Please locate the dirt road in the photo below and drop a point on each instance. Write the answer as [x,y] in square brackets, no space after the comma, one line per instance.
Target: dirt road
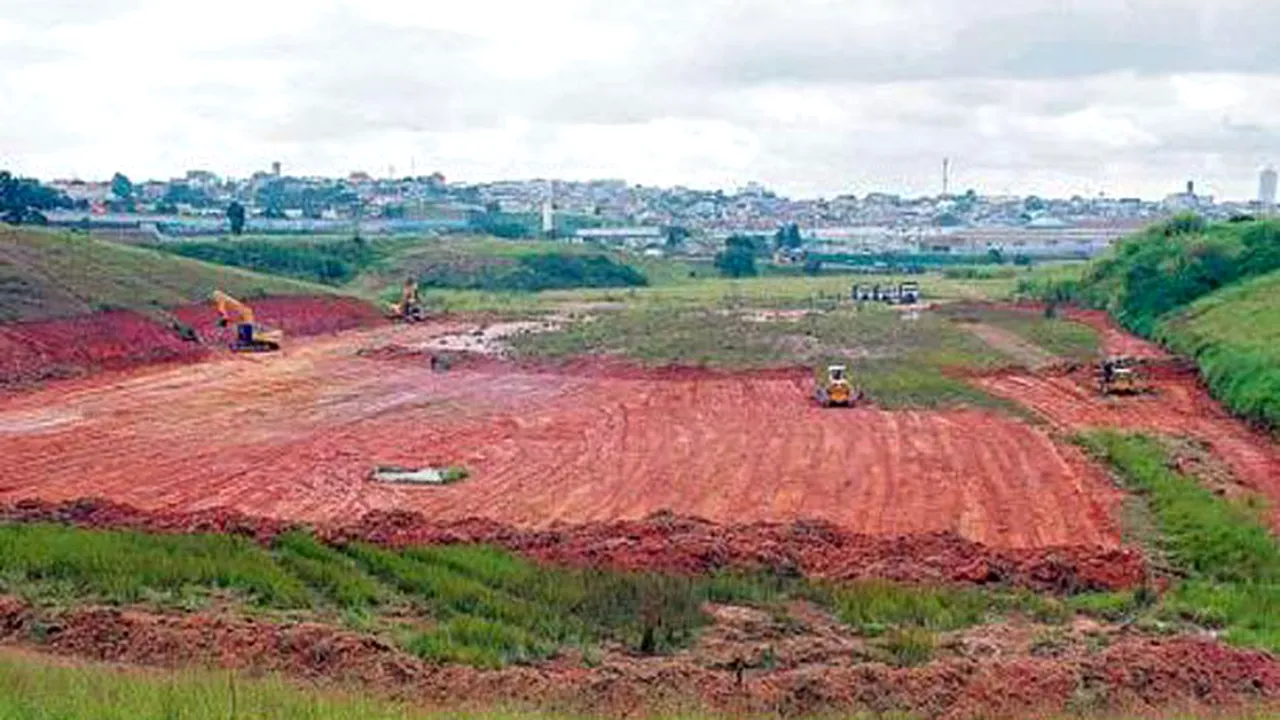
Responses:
[296,434]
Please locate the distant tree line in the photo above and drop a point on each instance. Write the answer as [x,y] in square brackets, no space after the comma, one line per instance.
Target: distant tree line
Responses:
[24,200]
[331,263]
[535,271]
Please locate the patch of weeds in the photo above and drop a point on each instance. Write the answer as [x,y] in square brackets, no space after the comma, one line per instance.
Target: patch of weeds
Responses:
[1095,642]
[1112,606]
[479,642]
[1230,559]
[1089,698]
[1050,643]
[330,573]
[908,647]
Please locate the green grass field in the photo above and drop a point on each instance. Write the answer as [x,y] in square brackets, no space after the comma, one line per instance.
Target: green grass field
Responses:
[902,361]
[46,275]
[1234,335]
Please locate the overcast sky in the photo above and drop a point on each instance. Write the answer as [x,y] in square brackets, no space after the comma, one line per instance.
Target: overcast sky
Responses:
[810,97]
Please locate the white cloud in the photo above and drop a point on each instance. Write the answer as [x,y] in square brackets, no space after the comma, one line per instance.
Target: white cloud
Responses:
[812,96]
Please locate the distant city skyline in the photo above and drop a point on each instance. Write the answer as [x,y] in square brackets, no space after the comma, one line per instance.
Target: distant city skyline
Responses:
[280,169]
[811,97]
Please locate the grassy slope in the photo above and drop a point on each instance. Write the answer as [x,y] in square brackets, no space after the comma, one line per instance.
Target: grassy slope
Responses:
[46,275]
[1230,560]
[1234,335]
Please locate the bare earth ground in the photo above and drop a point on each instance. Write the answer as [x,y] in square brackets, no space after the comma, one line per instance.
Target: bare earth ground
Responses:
[1179,406]
[295,435]
[565,462]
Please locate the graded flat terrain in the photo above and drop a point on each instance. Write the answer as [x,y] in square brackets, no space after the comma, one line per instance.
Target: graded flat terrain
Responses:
[296,434]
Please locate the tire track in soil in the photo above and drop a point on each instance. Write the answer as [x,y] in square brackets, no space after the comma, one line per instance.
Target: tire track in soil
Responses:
[1179,406]
[294,435]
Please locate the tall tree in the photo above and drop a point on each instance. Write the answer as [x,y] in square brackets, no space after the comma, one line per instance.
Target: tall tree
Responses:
[23,199]
[738,259]
[121,187]
[788,236]
[235,215]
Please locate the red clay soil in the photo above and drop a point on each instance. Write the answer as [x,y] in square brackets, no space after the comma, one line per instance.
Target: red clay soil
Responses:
[670,544]
[1135,674]
[297,316]
[1114,340]
[296,434]
[35,351]
[1179,406]
[32,352]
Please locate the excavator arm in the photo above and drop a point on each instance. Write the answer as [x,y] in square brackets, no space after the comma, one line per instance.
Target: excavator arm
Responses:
[229,307]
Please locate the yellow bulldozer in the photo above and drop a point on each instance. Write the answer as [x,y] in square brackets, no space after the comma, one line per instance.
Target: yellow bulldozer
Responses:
[834,388]
[249,337]
[409,309]
[1121,375]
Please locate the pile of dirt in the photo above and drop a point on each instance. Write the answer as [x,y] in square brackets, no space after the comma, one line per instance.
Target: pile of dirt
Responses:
[668,543]
[1136,674]
[95,513]
[31,352]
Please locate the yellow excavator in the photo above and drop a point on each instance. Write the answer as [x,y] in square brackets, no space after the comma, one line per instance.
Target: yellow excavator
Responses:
[249,338]
[836,389]
[409,309]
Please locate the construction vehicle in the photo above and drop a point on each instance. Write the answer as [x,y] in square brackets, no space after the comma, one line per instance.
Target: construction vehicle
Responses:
[249,338]
[409,309]
[1121,375]
[906,293]
[835,388]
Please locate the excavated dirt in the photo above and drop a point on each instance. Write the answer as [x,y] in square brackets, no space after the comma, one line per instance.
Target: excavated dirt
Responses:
[32,352]
[1179,406]
[294,435]
[816,668]
[667,543]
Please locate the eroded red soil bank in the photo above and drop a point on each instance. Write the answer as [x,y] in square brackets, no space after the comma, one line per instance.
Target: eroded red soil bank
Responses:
[669,543]
[32,352]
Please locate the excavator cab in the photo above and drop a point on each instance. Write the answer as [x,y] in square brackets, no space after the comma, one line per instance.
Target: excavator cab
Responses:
[409,309]
[1120,375]
[836,389]
[249,338]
